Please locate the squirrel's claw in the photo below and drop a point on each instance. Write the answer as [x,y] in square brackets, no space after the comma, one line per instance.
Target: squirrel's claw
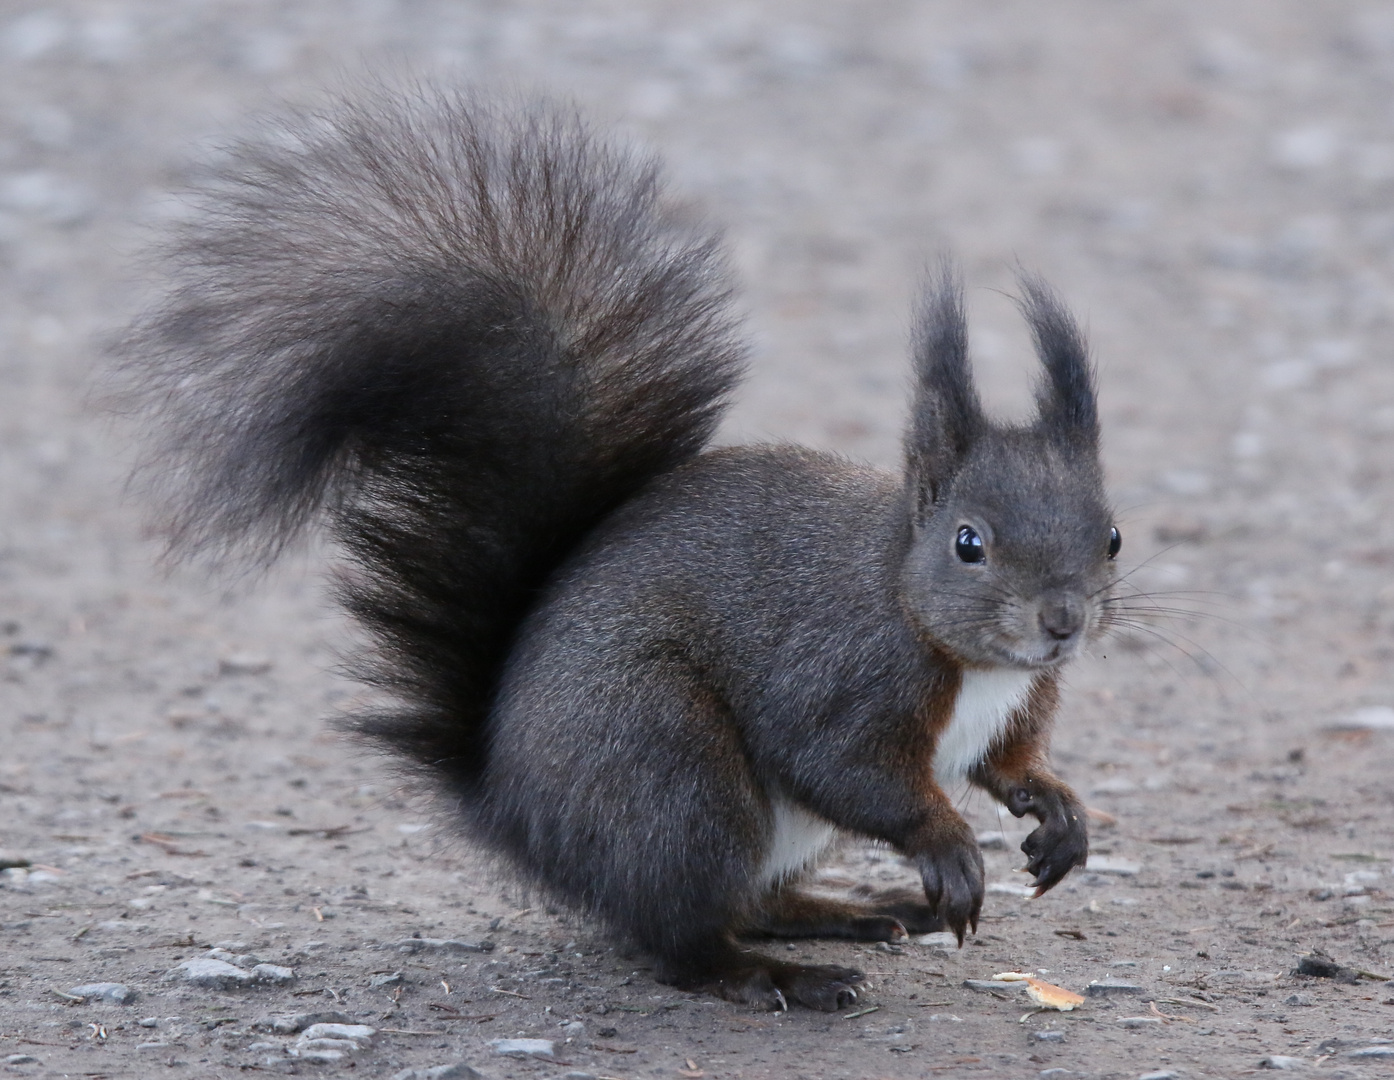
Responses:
[1055,848]
[953,885]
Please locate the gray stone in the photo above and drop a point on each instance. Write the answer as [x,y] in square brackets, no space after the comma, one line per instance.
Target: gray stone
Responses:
[455,1071]
[381,982]
[1048,1036]
[331,1042]
[272,975]
[322,1057]
[108,993]
[149,1022]
[1111,988]
[311,1046]
[290,1025]
[992,841]
[1378,1052]
[1160,1074]
[1054,1074]
[354,1032]
[21,1059]
[210,974]
[1017,986]
[229,957]
[542,1048]
[1281,1061]
[426,944]
[1140,1021]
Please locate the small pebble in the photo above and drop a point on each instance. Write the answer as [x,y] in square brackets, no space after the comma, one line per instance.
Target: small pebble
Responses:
[315,1046]
[152,1046]
[542,1048]
[290,1025]
[1319,965]
[455,1071]
[1281,1061]
[996,985]
[354,1032]
[21,1059]
[1371,1052]
[210,974]
[107,993]
[425,944]
[273,975]
[992,841]
[149,1022]
[1054,1074]
[1160,1074]
[1048,1036]
[321,1057]
[379,982]
[1140,1021]
[1104,864]
[1111,988]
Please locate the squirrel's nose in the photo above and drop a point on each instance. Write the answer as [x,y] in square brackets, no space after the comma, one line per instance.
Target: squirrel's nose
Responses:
[1062,617]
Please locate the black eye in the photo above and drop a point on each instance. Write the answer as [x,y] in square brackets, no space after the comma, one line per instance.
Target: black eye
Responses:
[969,546]
[1115,542]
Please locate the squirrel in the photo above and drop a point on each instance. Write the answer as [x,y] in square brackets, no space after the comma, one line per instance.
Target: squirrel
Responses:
[484,347]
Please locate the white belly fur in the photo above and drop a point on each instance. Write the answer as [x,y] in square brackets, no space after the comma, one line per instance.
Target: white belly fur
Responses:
[986,700]
[799,837]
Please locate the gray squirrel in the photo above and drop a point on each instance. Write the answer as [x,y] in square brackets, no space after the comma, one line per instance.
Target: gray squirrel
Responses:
[479,343]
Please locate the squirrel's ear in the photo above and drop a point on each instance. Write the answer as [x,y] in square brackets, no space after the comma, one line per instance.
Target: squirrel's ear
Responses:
[946,416]
[1065,401]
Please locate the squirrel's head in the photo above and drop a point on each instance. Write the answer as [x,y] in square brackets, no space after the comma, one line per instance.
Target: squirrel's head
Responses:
[1012,541]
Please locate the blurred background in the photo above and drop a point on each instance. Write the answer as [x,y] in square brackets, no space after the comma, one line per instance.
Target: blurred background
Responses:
[1210,187]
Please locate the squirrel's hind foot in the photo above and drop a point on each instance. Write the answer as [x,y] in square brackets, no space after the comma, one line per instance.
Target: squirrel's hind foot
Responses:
[774,985]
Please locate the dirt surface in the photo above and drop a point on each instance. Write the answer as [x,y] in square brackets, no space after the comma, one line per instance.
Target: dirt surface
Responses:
[1210,185]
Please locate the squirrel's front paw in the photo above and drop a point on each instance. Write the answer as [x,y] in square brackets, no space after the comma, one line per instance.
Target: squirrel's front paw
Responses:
[953,883]
[1059,845]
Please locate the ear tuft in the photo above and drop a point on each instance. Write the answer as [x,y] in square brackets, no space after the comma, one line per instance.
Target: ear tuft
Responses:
[947,416]
[1065,397]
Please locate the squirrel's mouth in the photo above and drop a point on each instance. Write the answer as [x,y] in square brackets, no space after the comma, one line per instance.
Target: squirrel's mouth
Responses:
[1046,654]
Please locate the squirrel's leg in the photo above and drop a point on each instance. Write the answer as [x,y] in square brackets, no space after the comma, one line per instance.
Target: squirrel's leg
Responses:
[905,807]
[1016,772]
[661,830]
[886,915]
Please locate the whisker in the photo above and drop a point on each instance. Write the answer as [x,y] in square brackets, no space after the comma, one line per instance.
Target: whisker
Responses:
[1168,637]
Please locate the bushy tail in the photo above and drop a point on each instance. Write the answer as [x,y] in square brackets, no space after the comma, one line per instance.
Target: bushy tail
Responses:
[465,333]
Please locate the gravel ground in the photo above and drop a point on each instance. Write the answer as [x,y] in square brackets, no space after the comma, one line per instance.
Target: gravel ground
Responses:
[1210,185]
